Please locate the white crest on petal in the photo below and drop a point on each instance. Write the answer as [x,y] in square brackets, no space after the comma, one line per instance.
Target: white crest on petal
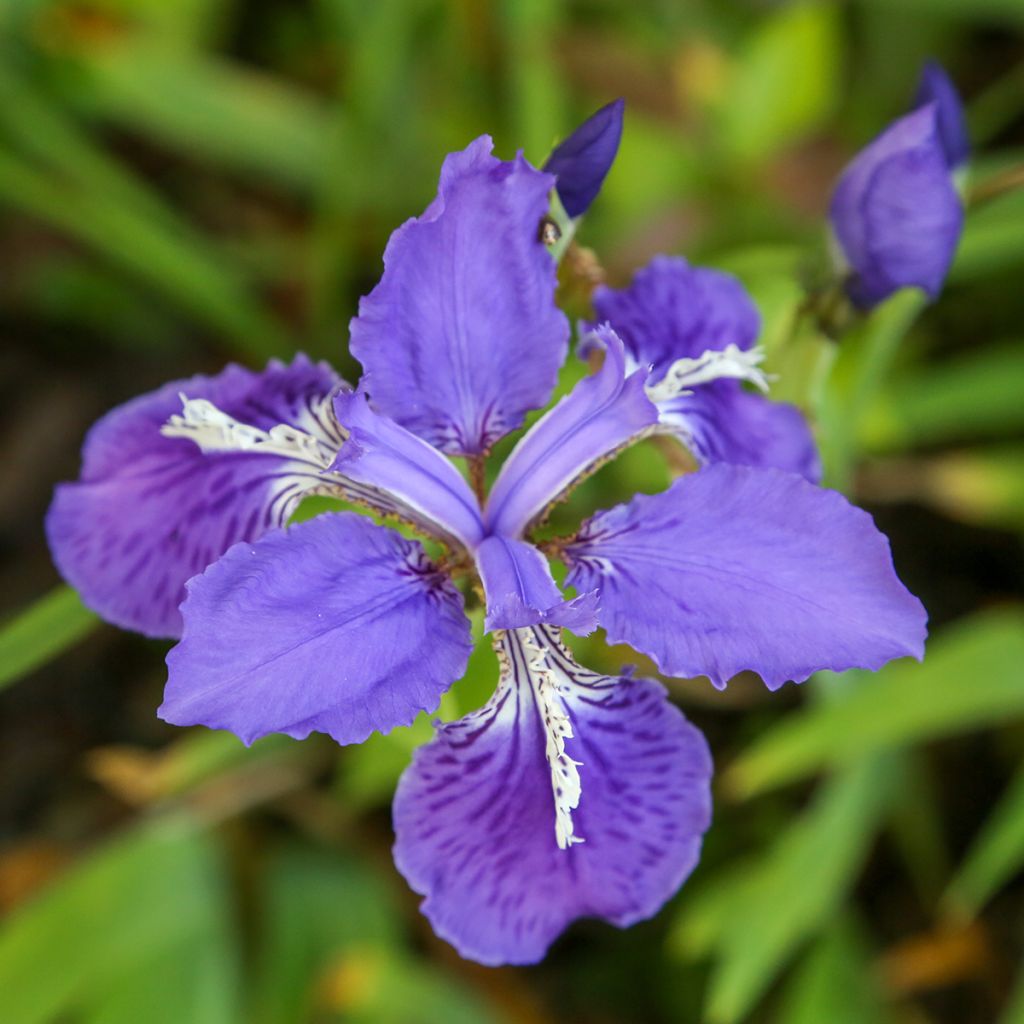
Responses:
[730,362]
[551,673]
[215,431]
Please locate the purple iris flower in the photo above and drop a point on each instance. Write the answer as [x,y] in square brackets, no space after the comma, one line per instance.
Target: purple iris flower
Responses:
[696,329]
[935,86]
[896,214]
[582,161]
[569,793]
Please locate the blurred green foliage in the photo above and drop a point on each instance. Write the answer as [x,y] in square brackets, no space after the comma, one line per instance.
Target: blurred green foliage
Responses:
[184,182]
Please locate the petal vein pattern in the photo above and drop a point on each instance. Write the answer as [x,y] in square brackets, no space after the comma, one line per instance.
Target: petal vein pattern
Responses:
[149,511]
[484,834]
[319,627]
[602,414]
[462,336]
[737,568]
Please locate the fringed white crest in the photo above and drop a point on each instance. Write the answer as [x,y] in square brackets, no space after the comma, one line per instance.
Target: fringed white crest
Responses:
[535,650]
[215,431]
[730,362]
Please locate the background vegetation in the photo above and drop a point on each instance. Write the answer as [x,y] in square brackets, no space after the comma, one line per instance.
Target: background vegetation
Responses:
[187,182]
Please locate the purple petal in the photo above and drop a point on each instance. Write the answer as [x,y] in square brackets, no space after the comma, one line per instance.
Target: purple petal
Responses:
[149,511]
[383,454]
[480,814]
[674,311]
[582,161]
[521,592]
[462,337]
[721,422]
[336,625]
[736,568]
[602,413]
[937,87]
[895,212]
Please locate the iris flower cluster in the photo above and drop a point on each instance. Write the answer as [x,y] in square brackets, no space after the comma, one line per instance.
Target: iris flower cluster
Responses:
[569,793]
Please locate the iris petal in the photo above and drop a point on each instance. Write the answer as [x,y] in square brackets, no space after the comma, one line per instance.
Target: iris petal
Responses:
[672,312]
[382,454]
[736,568]
[149,511]
[720,422]
[521,592]
[600,415]
[336,625]
[462,337]
[568,795]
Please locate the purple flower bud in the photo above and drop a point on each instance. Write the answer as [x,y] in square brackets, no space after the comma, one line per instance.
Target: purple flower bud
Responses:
[583,160]
[896,214]
[937,87]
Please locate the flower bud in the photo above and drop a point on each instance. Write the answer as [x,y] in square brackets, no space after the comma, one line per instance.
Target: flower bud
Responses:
[896,215]
[582,161]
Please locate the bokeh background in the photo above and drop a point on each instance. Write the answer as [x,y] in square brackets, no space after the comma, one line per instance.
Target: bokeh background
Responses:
[184,183]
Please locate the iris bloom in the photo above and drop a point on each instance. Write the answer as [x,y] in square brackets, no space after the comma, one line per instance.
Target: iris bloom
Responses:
[569,793]
[896,213]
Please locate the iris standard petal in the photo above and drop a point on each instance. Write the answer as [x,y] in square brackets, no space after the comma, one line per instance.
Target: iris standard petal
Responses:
[568,795]
[935,86]
[582,161]
[672,311]
[601,414]
[521,592]
[736,568]
[382,454]
[896,214]
[150,511]
[462,337]
[721,422]
[335,625]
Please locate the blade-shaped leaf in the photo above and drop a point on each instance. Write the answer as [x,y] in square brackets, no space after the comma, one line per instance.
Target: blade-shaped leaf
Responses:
[41,632]
[970,677]
[752,931]
[786,81]
[835,982]
[996,855]
[974,395]
[318,906]
[145,248]
[149,891]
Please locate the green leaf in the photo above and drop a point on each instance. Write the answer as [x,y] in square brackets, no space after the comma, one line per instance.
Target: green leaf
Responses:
[786,80]
[973,395]
[993,239]
[395,989]
[194,980]
[145,247]
[835,982]
[209,108]
[41,632]
[319,905]
[152,891]
[970,678]
[996,855]
[813,863]
[1013,1012]
[1009,11]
